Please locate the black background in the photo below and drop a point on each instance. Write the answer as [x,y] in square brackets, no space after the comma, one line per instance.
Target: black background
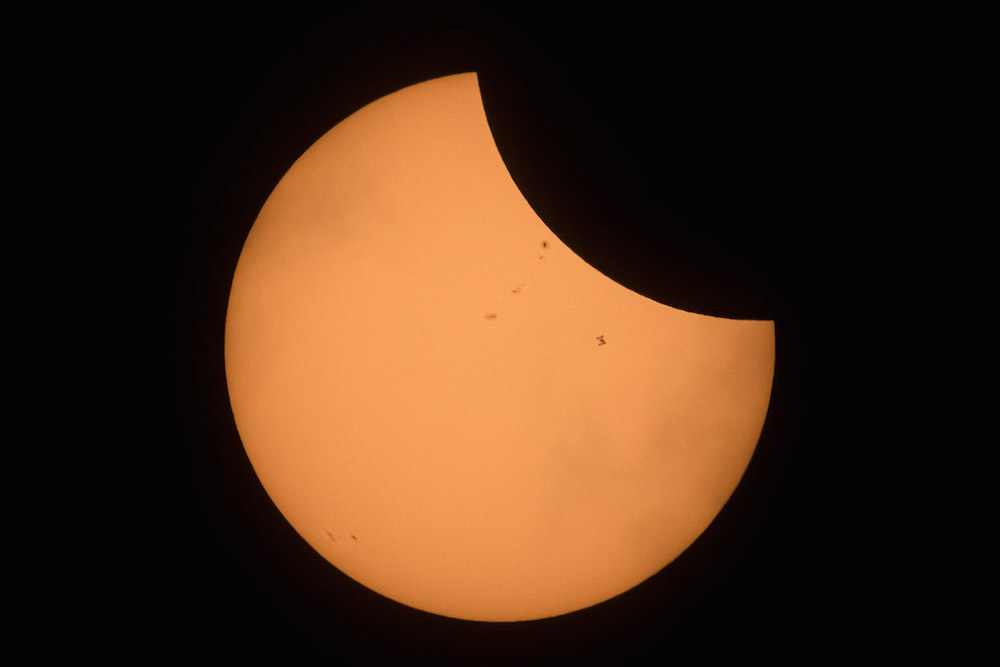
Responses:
[714,164]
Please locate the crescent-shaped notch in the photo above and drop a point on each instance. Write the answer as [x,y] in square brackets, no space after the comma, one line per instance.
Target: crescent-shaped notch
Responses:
[448,403]
[658,178]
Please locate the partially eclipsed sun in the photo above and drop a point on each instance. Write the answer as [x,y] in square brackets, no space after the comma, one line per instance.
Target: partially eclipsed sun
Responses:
[452,407]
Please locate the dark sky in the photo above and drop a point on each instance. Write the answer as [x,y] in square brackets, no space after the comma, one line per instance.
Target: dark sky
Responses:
[703,164]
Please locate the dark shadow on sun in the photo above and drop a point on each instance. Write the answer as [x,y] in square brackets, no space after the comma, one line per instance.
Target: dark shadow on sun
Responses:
[652,174]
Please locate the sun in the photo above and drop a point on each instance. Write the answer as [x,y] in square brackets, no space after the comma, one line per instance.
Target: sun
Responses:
[448,403]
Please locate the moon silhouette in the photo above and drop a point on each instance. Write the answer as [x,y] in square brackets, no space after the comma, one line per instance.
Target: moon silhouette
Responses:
[451,406]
